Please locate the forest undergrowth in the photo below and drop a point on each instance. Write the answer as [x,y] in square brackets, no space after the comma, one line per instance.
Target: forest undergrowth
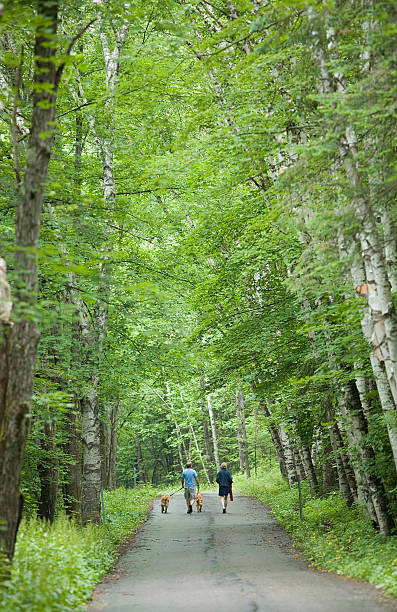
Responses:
[332,536]
[56,566]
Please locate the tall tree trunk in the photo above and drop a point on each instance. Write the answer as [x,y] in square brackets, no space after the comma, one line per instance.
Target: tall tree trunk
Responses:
[359,428]
[114,419]
[378,366]
[91,480]
[104,445]
[14,427]
[328,470]
[72,447]
[48,474]
[289,457]
[278,446]
[240,447]
[139,460]
[213,431]
[206,434]
[240,409]
[381,307]
[309,468]
[346,479]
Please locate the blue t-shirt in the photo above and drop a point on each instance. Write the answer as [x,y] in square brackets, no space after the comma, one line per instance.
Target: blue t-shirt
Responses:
[189,475]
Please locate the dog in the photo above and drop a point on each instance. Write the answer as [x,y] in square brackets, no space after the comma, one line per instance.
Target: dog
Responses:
[199,501]
[164,502]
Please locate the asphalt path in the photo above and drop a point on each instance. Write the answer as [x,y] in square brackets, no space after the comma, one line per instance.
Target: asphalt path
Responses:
[240,561]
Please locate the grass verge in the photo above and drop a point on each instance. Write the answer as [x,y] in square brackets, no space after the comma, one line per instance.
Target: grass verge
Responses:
[332,536]
[56,566]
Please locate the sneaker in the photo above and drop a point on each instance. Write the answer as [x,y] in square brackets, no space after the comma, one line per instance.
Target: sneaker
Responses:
[224,510]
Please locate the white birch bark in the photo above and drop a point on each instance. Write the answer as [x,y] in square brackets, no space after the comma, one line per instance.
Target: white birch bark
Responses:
[213,431]
[288,455]
[380,300]
[243,431]
[105,146]
[378,368]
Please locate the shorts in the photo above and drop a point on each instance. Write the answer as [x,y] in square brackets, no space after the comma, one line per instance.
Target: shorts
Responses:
[224,491]
[190,493]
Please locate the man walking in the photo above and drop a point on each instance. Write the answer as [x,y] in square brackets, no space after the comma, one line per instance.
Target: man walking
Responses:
[189,480]
[224,480]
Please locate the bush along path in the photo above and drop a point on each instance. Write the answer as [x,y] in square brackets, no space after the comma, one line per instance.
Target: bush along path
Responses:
[332,536]
[57,565]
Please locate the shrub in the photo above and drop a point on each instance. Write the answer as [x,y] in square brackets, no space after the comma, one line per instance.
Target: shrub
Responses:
[56,566]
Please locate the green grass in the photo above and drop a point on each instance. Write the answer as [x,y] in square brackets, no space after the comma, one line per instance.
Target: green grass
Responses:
[55,567]
[332,536]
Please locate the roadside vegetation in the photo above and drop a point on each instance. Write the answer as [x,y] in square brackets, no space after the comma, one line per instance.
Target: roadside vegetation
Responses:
[332,536]
[57,565]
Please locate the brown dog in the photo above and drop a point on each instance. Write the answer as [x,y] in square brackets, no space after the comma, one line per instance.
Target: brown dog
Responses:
[199,501]
[165,500]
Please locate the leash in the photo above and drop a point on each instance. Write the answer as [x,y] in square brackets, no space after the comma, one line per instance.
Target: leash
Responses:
[176,491]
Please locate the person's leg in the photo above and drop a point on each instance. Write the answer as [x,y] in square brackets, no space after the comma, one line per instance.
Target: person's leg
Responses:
[225,501]
[187,497]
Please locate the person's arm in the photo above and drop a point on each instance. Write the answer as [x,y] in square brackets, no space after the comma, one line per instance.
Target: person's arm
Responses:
[197,482]
[183,481]
[217,477]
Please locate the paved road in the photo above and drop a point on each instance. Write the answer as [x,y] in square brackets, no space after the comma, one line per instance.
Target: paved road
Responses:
[238,562]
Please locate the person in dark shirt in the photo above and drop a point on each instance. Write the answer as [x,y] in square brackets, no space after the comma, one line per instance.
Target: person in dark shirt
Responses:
[224,480]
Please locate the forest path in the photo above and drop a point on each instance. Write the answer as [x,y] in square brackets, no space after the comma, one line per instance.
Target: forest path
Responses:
[236,562]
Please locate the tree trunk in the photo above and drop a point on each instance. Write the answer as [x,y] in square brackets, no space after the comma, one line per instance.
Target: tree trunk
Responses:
[328,470]
[114,420]
[213,430]
[72,447]
[206,434]
[347,482]
[378,367]
[91,481]
[359,429]
[14,426]
[381,307]
[48,474]
[104,427]
[240,447]
[139,460]
[276,441]
[289,457]
[299,464]
[309,468]
[240,409]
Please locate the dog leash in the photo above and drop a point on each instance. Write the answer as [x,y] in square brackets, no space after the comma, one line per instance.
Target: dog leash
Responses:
[180,489]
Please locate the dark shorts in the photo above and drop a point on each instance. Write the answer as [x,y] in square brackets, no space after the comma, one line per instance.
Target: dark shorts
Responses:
[223,491]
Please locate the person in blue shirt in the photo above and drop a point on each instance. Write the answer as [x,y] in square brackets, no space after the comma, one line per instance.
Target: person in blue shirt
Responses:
[224,480]
[189,481]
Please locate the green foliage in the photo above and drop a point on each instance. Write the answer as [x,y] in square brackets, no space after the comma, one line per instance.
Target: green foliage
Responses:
[332,536]
[56,566]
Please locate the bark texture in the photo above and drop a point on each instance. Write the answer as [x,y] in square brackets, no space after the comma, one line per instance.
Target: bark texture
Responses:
[360,430]
[14,427]
[48,473]
[240,411]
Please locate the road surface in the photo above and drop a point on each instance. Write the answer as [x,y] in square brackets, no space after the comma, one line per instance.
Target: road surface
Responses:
[236,562]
